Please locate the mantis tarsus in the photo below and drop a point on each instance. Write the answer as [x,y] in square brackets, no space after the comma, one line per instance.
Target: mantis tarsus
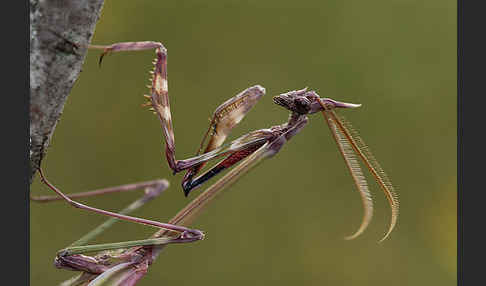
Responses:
[244,153]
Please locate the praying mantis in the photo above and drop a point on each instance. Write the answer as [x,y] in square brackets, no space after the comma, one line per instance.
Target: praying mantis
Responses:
[241,154]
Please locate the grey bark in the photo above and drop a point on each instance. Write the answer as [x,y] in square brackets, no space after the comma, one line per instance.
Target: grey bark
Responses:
[59,33]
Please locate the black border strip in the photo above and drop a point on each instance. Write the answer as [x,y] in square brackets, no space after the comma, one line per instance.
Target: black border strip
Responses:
[14,118]
[471,121]
[459,140]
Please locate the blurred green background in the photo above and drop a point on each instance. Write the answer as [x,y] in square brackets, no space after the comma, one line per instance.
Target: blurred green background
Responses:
[284,222]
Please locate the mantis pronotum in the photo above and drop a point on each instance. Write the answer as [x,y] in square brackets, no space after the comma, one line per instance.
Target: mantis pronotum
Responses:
[244,153]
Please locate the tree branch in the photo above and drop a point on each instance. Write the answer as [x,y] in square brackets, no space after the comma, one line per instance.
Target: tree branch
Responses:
[59,33]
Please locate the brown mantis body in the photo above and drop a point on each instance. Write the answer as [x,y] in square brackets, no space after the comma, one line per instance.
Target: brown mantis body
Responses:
[244,152]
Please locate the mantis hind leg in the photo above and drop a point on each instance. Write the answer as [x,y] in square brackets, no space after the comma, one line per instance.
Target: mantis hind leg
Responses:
[185,233]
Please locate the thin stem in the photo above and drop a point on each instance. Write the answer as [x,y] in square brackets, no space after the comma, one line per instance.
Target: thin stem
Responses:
[114,245]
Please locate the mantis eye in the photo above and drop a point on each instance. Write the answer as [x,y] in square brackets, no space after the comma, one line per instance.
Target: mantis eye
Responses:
[302,105]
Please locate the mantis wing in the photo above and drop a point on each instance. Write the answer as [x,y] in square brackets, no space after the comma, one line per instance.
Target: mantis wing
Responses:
[246,141]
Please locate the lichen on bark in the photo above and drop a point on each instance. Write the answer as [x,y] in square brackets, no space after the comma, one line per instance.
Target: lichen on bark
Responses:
[59,33]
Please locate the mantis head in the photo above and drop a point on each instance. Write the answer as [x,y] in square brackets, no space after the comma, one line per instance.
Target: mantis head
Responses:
[308,102]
